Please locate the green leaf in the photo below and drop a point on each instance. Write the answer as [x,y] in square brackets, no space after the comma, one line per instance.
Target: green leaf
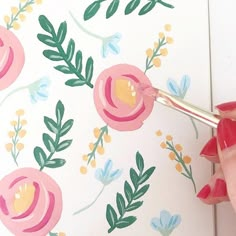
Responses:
[59,111]
[134,206]
[63,69]
[128,192]
[89,69]
[55,163]
[147,8]
[112,8]
[70,50]
[46,24]
[111,215]
[125,222]
[139,162]
[165,4]
[40,156]
[66,127]
[52,55]
[141,192]
[132,5]
[120,202]
[75,82]
[51,124]
[91,10]
[79,61]
[46,40]
[49,142]
[61,33]
[134,178]
[63,145]
[146,175]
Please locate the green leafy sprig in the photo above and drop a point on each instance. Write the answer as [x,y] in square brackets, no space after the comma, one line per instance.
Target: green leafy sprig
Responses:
[55,40]
[54,145]
[128,202]
[93,8]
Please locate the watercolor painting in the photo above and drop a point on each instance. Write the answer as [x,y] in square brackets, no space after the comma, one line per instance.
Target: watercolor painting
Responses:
[79,140]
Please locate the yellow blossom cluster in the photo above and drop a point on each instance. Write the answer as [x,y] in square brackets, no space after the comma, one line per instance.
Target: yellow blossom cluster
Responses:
[16,134]
[18,13]
[153,54]
[97,147]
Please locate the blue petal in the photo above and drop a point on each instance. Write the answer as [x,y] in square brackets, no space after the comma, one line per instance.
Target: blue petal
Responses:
[184,84]
[98,174]
[113,48]
[165,218]
[173,87]
[155,224]
[116,174]
[117,37]
[175,221]
[104,51]
[107,168]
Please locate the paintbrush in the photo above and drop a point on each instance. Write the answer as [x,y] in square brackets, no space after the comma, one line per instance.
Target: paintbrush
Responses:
[169,100]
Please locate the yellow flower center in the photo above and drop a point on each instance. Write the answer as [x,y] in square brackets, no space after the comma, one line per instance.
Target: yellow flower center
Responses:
[23,198]
[125,92]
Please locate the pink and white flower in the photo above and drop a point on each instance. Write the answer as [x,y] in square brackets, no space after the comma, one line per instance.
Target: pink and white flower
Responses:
[118,98]
[30,202]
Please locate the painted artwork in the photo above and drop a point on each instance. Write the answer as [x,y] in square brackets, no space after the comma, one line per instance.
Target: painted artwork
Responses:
[83,150]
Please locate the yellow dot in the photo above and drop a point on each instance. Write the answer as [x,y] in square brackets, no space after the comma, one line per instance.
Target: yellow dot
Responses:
[9,146]
[14,10]
[169,40]
[83,170]
[20,112]
[163,145]
[161,35]
[6,19]
[22,17]
[91,146]
[93,163]
[96,132]
[158,133]
[19,146]
[178,147]
[156,44]
[29,8]
[22,133]
[107,138]
[23,122]
[16,25]
[164,52]
[168,27]
[11,134]
[100,150]
[169,138]
[38,1]
[149,52]
[172,156]
[13,122]
[85,157]
[187,159]
[22,1]
[156,62]
[61,234]
[178,167]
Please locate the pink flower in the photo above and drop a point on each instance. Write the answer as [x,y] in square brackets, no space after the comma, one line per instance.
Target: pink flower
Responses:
[119,101]
[12,57]
[30,202]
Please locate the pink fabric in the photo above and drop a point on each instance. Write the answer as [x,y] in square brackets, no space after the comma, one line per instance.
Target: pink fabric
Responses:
[114,112]
[43,213]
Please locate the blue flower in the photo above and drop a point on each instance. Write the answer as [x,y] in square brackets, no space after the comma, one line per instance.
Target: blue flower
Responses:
[176,90]
[38,90]
[166,223]
[107,175]
[110,44]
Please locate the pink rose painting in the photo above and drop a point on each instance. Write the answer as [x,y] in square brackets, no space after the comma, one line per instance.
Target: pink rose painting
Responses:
[30,202]
[12,57]
[118,98]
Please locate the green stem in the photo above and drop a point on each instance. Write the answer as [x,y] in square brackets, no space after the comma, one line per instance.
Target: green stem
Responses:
[89,205]
[91,155]
[194,126]
[21,9]
[155,54]
[85,30]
